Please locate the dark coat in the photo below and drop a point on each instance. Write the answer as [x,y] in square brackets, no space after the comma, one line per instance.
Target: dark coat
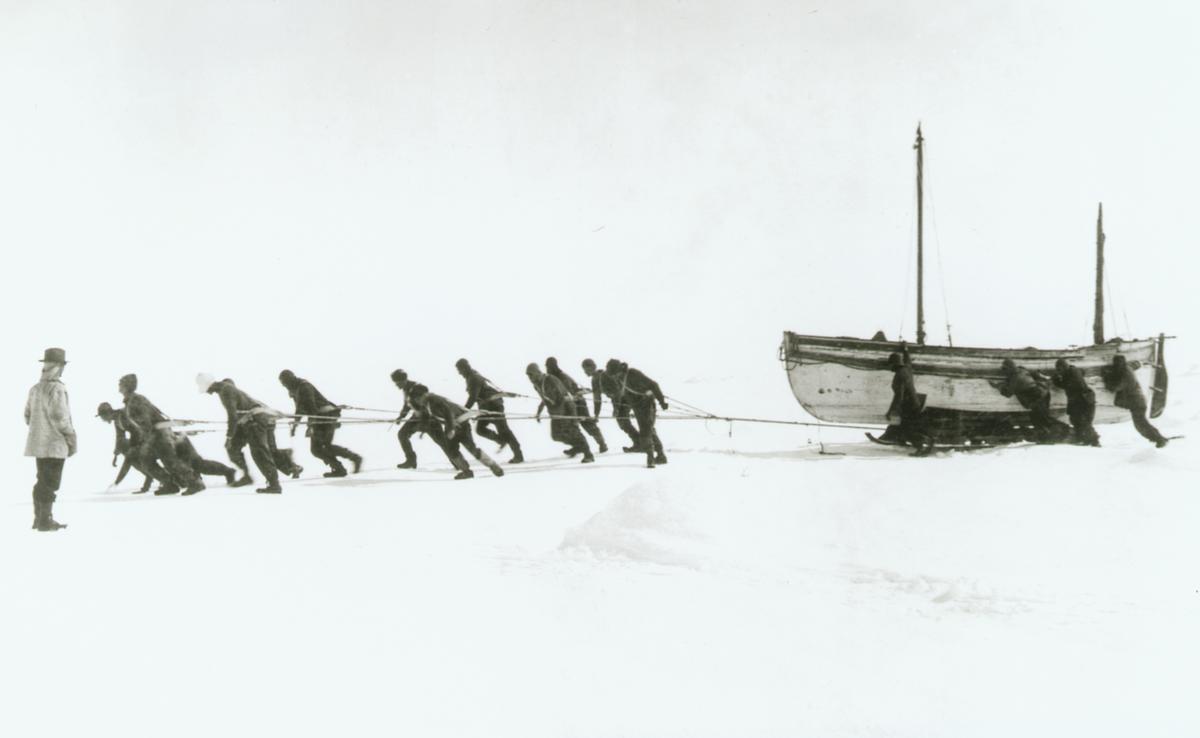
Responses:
[239,406]
[602,384]
[1030,388]
[1127,391]
[141,414]
[1071,381]
[128,435]
[450,414]
[309,400]
[481,390]
[637,389]
[906,402]
[409,407]
[570,384]
[554,394]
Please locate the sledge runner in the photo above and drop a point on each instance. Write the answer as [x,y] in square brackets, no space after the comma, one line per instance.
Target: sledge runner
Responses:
[1081,402]
[1127,393]
[51,439]
[455,425]
[564,428]
[322,420]
[158,441]
[641,392]
[586,422]
[491,402]
[252,423]
[602,385]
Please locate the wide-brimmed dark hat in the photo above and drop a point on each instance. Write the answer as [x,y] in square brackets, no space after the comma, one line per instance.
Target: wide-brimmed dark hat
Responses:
[54,356]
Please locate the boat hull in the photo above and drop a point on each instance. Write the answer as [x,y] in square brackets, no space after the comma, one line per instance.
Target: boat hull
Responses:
[847,380]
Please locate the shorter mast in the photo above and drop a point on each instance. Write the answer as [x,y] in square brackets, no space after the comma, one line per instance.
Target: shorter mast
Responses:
[1098,321]
[920,147]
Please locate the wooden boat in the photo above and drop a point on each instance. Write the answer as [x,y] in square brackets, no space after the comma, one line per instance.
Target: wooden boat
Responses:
[847,380]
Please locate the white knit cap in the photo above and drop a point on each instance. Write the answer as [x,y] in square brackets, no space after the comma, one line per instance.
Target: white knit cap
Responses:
[204,381]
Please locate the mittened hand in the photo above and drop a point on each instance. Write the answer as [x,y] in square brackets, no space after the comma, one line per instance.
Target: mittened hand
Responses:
[663,405]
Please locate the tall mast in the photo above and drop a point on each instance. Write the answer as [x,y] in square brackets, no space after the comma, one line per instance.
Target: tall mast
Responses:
[920,147]
[1098,321]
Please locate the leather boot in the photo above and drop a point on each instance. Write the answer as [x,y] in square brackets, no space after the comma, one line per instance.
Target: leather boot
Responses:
[464,470]
[37,514]
[48,522]
[356,460]
[518,457]
[491,464]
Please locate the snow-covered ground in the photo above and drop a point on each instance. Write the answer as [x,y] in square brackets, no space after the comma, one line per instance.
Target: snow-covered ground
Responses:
[753,586]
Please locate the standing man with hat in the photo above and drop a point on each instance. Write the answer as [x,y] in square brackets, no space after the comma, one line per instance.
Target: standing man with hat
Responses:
[51,437]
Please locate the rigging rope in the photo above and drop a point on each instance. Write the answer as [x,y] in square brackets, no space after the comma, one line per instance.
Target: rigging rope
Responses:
[477,415]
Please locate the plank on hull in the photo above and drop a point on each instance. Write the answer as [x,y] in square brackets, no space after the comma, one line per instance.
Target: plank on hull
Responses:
[846,380]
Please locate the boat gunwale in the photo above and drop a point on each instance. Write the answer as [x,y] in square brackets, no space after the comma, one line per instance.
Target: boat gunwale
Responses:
[849,342]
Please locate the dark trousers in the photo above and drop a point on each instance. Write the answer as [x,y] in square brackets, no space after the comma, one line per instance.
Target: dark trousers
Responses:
[259,433]
[141,458]
[463,438]
[1082,412]
[320,433]
[646,414]
[147,472]
[159,455]
[911,431]
[1142,423]
[1048,429]
[494,418]
[190,456]
[621,412]
[564,428]
[49,477]
[587,422]
[411,427]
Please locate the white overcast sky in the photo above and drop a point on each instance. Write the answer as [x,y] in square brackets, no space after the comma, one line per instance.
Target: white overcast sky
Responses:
[343,188]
